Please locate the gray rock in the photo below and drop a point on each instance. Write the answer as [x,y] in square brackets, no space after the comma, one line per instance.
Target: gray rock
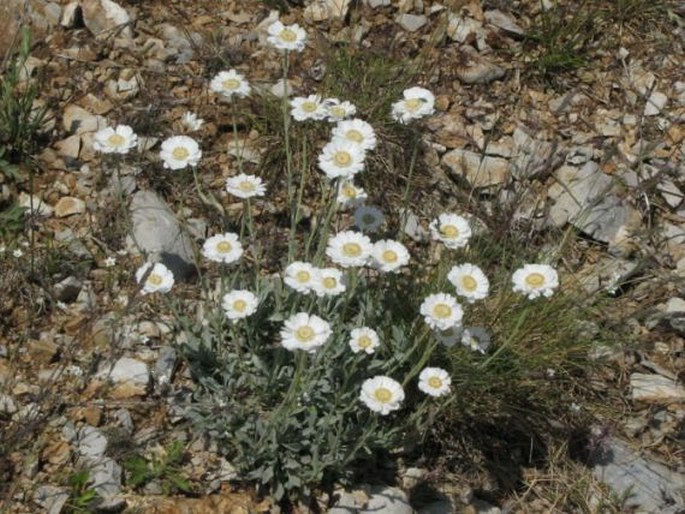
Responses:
[531,156]
[503,21]
[479,171]
[156,231]
[412,226]
[647,387]
[606,220]
[650,486]
[106,478]
[126,369]
[68,289]
[105,17]
[7,405]
[92,444]
[574,190]
[165,365]
[51,498]
[387,500]
[411,22]
[655,103]
[478,70]
[73,244]
[125,420]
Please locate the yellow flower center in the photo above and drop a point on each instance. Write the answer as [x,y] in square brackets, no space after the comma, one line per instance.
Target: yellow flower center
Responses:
[154,279]
[368,219]
[337,111]
[352,249]
[383,394]
[389,256]
[309,106]
[442,310]
[180,153]
[354,135]
[349,191]
[240,305]
[224,247]
[364,342]
[435,382]
[303,277]
[469,283]
[116,140]
[535,280]
[449,231]
[288,36]
[342,158]
[246,186]
[413,104]
[231,84]
[329,282]
[305,334]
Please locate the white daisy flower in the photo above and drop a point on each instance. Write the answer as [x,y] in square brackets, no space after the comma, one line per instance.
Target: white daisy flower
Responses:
[191,121]
[357,132]
[300,276]
[417,103]
[434,381]
[239,304]
[120,139]
[338,110]
[245,186]
[382,394]
[450,337]
[349,249]
[224,248]
[229,84]
[364,339]
[368,218]
[453,230]
[157,278]
[470,282]
[441,311]
[476,339]
[179,152]
[307,108]
[535,280]
[350,195]
[340,158]
[389,256]
[17,253]
[329,282]
[287,37]
[304,331]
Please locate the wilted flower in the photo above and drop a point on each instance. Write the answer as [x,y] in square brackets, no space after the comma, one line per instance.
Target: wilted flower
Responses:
[159,279]
[115,140]
[476,339]
[470,282]
[434,381]
[191,121]
[287,37]
[300,276]
[441,311]
[382,394]
[389,256]
[329,282]
[535,280]
[179,152]
[364,339]
[357,132]
[349,249]
[338,110]
[308,108]
[417,103]
[239,304]
[224,248]
[245,186]
[453,230]
[229,84]
[340,158]
[304,331]
[368,218]
[450,337]
[350,195]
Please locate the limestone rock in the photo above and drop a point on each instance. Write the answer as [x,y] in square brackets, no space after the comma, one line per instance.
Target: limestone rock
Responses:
[69,205]
[503,21]
[387,500]
[77,120]
[655,103]
[477,69]
[411,22]
[51,498]
[479,171]
[655,388]
[105,17]
[34,205]
[127,369]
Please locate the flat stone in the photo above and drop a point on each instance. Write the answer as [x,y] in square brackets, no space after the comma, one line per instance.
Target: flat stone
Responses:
[77,120]
[126,369]
[503,21]
[51,498]
[478,70]
[34,205]
[532,156]
[674,305]
[105,474]
[69,147]
[655,103]
[105,17]
[411,22]
[655,388]
[479,171]
[92,444]
[387,500]
[574,189]
[69,205]
[461,28]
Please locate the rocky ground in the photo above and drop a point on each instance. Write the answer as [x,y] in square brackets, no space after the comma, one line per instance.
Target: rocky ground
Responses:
[87,370]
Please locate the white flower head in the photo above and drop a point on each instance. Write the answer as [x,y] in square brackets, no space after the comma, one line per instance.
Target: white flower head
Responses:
[229,84]
[304,331]
[364,339]
[453,230]
[156,278]
[441,311]
[350,195]
[329,282]
[535,280]
[245,186]
[368,218]
[434,381]
[308,108]
[109,262]
[17,253]
[191,121]
[476,339]
[417,102]
[338,110]
[450,337]
[286,37]
[340,158]
[120,140]
[389,256]
[239,304]
[357,132]
[178,152]
[349,249]
[224,248]
[382,394]
[300,276]
[470,282]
